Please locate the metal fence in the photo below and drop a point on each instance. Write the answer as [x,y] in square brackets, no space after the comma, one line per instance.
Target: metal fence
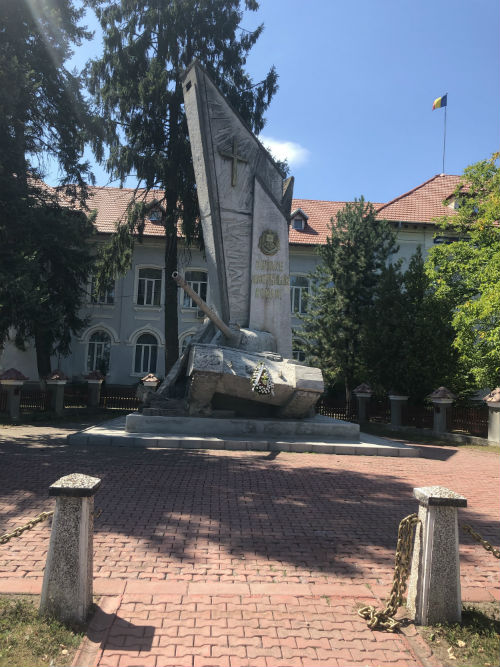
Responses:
[114,397]
[34,399]
[469,419]
[338,409]
[472,420]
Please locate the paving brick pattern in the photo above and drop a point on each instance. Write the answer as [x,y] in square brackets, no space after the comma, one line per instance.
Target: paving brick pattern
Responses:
[241,631]
[221,524]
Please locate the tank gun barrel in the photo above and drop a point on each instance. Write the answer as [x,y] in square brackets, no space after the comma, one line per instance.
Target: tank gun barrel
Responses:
[228,333]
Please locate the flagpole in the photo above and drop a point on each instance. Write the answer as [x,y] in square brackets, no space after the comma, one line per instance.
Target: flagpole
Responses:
[444,141]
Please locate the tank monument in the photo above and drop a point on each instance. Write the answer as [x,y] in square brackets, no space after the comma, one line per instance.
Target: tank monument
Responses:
[236,386]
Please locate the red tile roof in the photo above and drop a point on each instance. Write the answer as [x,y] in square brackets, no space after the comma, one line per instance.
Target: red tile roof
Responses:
[420,205]
[423,203]
[111,205]
[318,223]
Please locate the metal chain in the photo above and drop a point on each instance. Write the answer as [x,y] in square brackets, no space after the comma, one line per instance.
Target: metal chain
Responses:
[27,526]
[384,618]
[6,537]
[487,545]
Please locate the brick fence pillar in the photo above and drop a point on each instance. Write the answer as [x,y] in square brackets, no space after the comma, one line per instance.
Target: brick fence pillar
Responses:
[397,402]
[493,403]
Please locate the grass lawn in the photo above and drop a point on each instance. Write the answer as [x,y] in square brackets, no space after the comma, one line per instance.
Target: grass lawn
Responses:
[27,639]
[473,643]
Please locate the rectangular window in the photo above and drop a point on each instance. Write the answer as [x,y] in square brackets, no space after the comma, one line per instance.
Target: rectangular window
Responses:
[197,280]
[299,291]
[149,287]
[102,298]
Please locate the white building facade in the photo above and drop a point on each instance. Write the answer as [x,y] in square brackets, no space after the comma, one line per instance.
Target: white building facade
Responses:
[125,332]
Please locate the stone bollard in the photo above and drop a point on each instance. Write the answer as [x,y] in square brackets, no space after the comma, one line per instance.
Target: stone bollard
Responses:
[363,393]
[13,381]
[493,403]
[397,402]
[56,383]
[68,579]
[442,399]
[434,590]
[94,382]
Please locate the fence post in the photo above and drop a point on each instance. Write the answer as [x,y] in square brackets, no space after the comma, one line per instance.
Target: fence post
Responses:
[493,403]
[94,383]
[434,594]
[441,399]
[13,381]
[68,578]
[397,402]
[56,383]
[363,393]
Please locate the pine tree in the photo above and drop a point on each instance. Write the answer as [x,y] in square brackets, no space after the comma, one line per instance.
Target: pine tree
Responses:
[410,347]
[42,115]
[137,84]
[337,322]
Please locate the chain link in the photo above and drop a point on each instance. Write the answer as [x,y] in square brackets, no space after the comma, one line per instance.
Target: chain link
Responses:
[6,537]
[487,545]
[384,618]
[27,526]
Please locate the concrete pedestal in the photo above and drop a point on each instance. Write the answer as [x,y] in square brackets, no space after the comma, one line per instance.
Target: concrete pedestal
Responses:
[434,594]
[68,579]
[13,388]
[94,393]
[494,423]
[397,402]
[56,389]
[441,407]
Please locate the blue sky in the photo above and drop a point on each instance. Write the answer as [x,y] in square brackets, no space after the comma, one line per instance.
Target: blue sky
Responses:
[357,81]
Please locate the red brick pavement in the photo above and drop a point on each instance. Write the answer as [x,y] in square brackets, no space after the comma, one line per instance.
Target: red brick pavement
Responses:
[230,529]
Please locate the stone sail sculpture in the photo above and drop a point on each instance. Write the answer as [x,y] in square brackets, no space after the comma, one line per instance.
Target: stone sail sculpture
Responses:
[240,360]
[245,206]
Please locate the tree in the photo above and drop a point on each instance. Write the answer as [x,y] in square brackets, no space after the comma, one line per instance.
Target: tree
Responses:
[352,261]
[48,292]
[466,273]
[42,115]
[137,85]
[410,350]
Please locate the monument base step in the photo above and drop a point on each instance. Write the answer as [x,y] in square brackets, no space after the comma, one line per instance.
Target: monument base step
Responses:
[113,433]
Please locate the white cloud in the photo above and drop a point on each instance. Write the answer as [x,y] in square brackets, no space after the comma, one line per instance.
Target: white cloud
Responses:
[294,153]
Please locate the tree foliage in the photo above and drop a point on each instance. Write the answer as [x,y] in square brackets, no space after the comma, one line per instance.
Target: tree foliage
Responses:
[352,262]
[466,273]
[410,349]
[136,83]
[42,115]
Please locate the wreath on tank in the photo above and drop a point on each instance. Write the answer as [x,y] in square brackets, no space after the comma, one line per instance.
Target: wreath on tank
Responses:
[261,380]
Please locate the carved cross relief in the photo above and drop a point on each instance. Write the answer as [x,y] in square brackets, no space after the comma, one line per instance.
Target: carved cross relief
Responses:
[235,159]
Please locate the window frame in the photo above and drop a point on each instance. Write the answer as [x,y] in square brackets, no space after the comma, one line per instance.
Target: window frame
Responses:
[148,306]
[94,301]
[300,289]
[182,294]
[150,347]
[90,342]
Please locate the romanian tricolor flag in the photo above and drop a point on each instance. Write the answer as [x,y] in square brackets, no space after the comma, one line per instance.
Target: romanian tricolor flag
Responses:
[440,102]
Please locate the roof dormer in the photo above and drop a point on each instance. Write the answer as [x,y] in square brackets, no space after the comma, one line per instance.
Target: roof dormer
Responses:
[299,219]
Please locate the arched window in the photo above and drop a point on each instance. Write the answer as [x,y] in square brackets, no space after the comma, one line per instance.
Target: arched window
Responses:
[197,280]
[98,352]
[299,291]
[146,354]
